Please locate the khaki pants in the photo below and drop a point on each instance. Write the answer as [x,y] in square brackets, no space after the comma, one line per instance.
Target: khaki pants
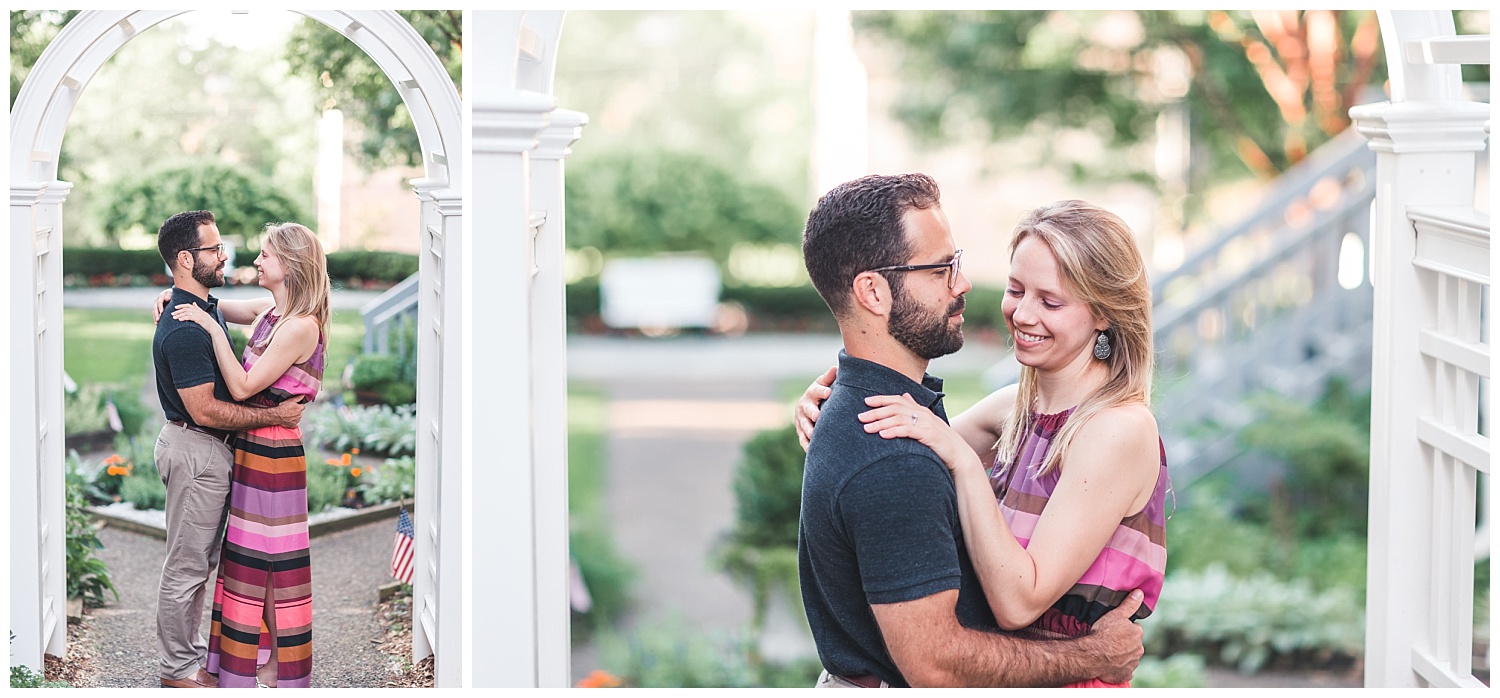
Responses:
[195,468]
[827,680]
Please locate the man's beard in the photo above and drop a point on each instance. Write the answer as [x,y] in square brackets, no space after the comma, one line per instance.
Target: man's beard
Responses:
[209,276]
[927,335]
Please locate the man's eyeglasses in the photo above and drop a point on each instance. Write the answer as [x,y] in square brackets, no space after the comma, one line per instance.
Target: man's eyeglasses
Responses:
[218,249]
[953,266]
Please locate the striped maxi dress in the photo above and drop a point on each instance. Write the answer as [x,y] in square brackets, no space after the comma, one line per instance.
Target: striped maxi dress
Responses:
[266,543]
[1134,558]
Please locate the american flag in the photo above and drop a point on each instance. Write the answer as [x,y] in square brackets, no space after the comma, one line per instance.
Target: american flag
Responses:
[402,559]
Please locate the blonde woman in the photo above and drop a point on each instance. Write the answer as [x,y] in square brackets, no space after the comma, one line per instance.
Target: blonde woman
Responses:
[261,632]
[1071,453]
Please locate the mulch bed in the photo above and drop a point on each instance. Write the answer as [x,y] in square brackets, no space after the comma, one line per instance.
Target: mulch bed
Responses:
[394,615]
[78,669]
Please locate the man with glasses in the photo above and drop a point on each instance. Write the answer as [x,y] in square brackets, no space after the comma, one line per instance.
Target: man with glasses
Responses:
[195,450]
[890,593]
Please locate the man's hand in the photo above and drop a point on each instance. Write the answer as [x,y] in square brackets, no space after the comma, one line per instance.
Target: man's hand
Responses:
[160,305]
[1116,640]
[288,413]
[805,414]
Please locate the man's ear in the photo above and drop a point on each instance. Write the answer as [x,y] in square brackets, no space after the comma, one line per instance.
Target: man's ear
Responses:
[872,292]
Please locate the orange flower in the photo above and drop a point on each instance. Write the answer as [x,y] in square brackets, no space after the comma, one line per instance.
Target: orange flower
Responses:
[126,470]
[355,451]
[599,678]
[355,472]
[112,470]
[114,459]
[345,460]
[332,461]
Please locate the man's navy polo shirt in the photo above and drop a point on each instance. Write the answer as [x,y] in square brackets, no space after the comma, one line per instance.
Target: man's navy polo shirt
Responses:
[184,355]
[879,525]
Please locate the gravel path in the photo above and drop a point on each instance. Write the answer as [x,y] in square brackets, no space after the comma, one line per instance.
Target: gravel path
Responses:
[348,567]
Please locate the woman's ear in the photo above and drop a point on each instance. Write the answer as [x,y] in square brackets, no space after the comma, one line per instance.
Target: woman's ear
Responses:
[873,293]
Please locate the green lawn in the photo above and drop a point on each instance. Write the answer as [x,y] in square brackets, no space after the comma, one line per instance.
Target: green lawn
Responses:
[586,423]
[107,346]
[114,346]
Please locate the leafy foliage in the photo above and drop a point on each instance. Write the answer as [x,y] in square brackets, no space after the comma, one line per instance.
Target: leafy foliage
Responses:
[30,32]
[1183,670]
[25,677]
[1250,622]
[671,655]
[703,82]
[1326,447]
[393,480]
[606,573]
[1208,532]
[1262,88]
[347,79]
[143,488]
[242,201]
[642,202]
[327,486]
[668,654]
[375,430]
[87,576]
[768,489]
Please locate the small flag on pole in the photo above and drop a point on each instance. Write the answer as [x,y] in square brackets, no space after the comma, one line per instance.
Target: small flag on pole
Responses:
[403,557]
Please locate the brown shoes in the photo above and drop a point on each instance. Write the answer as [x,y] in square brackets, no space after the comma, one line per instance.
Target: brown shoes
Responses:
[202,679]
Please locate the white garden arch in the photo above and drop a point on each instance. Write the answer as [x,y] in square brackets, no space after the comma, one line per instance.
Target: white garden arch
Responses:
[38,121]
[1430,268]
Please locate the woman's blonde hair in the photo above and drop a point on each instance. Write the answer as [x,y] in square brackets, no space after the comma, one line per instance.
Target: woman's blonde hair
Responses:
[306,268]
[1101,263]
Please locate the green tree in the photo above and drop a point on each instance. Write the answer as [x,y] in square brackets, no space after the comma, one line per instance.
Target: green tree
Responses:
[242,201]
[169,96]
[699,81]
[647,201]
[30,32]
[1262,88]
[345,78]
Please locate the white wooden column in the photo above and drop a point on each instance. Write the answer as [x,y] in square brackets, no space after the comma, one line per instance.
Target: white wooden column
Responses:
[549,379]
[509,571]
[1425,142]
[437,584]
[38,533]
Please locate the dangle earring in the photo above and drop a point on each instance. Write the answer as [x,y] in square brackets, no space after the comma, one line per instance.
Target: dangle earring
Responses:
[1101,347]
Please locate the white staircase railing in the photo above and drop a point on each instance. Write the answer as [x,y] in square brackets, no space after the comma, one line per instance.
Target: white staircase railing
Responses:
[1271,304]
[385,315]
[1260,307]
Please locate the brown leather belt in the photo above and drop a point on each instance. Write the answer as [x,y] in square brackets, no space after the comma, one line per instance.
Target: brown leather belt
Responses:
[220,434]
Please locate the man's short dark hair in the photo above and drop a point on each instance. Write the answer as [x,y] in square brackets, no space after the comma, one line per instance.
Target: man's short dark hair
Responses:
[179,233]
[856,227]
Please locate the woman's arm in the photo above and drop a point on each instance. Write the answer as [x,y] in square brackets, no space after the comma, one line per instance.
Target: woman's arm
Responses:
[980,425]
[292,344]
[238,312]
[244,312]
[1110,473]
